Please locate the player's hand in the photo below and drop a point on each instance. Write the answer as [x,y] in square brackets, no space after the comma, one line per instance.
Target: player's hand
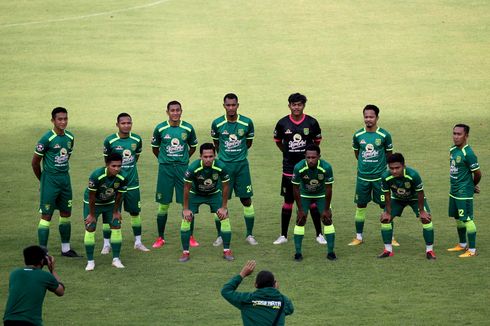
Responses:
[50,261]
[187,215]
[424,217]
[477,189]
[222,213]
[385,217]
[90,219]
[327,216]
[117,216]
[301,215]
[248,268]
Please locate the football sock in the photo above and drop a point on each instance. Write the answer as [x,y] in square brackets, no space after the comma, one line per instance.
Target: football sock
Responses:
[249,215]
[217,223]
[429,248]
[329,231]
[89,242]
[162,219]
[286,212]
[226,233]
[136,225]
[428,232]
[299,233]
[386,233]
[185,234]
[116,241]
[315,217]
[359,218]
[65,231]
[461,227]
[471,232]
[106,231]
[43,232]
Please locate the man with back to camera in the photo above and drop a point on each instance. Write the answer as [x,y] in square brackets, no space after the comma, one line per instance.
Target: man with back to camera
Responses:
[27,288]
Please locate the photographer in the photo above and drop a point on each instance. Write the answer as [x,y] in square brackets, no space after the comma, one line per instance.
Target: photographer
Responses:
[27,288]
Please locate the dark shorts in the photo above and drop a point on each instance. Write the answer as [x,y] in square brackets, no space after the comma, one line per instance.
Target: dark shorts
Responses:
[367,191]
[307,202]
[461,209]
[170,176]
[287,189]
[214,202]
[104,210]
[55,193]
[240,179]
[132,201]
[397,206]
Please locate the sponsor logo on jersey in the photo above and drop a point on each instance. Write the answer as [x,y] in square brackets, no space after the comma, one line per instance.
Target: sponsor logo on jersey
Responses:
[62,158]
[128,158]
[313,182]
[401,191]
[208,182]
[362,142]
[453,169]
[233,143]
[119,148]
[369,152]
[167,136]
[175,146]
[297,143]
[225,132]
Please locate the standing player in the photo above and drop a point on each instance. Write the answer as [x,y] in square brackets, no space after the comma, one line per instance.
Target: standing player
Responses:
[465,175]
[54,150]
[129,146]
[292,134]
[204,179]
[104,196]
[233,135]
[371,145]
[173,143]
[312,184]
[403,186]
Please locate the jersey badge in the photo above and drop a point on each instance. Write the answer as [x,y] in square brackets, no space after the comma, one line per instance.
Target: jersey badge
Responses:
[68,144]
[306,131]
[458,159]
[407,185]
[40,147]
[91,183]
[133,147]
[215,176]
[183,136]
[314,182]
[378,141]
[321,176]
[116,185]
[241,132]
[208,182]
[400,191]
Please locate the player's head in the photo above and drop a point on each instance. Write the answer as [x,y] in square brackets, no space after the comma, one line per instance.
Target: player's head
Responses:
[230,103]
[370,113]
[35,256]
[124,123]
[208,153]
[265,279]
[396,164]
[59,118]
[113,163]
[312,155]
[297,103]
[174,111]
[460,134]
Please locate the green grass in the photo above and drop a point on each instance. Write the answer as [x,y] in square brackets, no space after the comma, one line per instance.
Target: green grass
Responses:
[425,64]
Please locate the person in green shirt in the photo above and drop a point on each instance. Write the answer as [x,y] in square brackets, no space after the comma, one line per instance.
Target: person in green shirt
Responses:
[403,187]
[464,176]
[129,145]
[27,288]
[173,143]
[54,150]
[266,306]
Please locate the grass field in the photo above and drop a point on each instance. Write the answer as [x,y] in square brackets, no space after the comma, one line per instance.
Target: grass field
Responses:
[423,63]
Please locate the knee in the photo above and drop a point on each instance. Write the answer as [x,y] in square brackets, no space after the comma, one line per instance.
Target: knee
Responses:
[246,201]
[301,221]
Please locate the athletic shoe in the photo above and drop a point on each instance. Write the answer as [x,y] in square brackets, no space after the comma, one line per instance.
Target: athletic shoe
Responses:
[395,243]
[105,250]
[355,242]
[298,257]
[193,242]
[385,254]
[321,240]
[467,254]
[185,257]
[218,242]
[457,248]
[282,239]
[140,247]
[331,256]
[70,253]
[116,262]
[430,255]
[90,266]
[228,255]
[159,242]
[251,240]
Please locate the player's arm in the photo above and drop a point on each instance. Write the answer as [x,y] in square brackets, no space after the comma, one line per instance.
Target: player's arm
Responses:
[280,146]
[424,215]
[249,143]
[386,215]
[186,212]
[192,150]
[297,199]
[223,211]
[216,144]
[116,213]
[36,165]
[476,180]
[60,290]
[91,207]
[156,151]
[327,214]
[278,137]
[356,154]
[139,149]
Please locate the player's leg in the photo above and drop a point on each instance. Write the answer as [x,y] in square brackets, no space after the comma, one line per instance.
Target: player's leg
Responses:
[116,236]
[299,230]
[243,190]
[465,209]
[185,227]
[64,204]
[89,238]
[316,218]
[427,229]
[287,208]
[106,233]
[47,204]
[362,198]
[132,205]
[328,230]
[164,196]
[379,198]
[397,207]
[215,202]
[454,212]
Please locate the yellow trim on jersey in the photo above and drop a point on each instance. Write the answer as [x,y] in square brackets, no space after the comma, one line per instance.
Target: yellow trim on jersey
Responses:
[369,180]
[380,133]
[459,198]
[318,196]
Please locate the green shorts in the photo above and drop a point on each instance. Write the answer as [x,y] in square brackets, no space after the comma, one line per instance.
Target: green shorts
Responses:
[306,203]
[461,209]
[105,210]
[132,201]
[397,206]
[170,176]
[55,193]
[367,191]
[214,202]
[240,180]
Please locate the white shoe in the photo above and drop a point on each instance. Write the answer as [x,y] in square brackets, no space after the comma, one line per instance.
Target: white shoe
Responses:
[282,239]
[116,262]
[140,247]
[90,266]
[321,240]
[218,242]
[105,250]
[251,240]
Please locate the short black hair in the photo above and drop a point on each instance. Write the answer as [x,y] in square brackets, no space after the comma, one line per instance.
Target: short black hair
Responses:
[464,126]
[264,279]
[206,146]
[230,96]
[122,115]
[113,157]
[396,158]
[174,102]
[297,97]
[313,147]
[57,110]
[371,107]
[34,255]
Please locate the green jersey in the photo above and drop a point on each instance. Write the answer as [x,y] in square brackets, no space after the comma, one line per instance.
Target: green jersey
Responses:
[463,162]
[232,137]
[403,188]
[27,288]
[129,148]
[174,142]
[55,150]
[105,186]
[206,180]
[372,147]
[312,181]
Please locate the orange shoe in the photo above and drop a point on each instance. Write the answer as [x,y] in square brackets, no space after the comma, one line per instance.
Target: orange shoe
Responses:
[355,242]
[395,243]
[159,242]
[457,248]
[467,254]
[193,242]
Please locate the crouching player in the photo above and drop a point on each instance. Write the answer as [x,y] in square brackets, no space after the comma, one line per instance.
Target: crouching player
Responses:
[206,182]
[312,184]
[406,188]
[103,196]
